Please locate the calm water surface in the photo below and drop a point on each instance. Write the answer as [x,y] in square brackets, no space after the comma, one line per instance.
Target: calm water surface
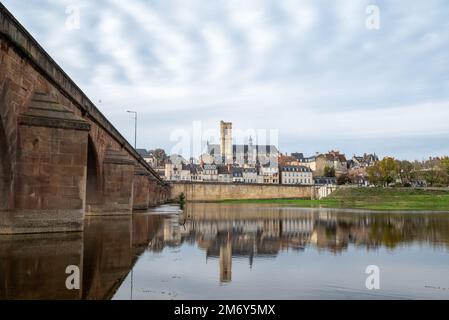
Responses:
[221,251]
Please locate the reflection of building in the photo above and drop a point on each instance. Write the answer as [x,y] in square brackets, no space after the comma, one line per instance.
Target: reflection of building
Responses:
[226,262]
[227,232]
[30,265]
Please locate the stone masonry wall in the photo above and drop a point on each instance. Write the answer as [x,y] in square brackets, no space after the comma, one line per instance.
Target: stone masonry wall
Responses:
[141,195]
[223,191]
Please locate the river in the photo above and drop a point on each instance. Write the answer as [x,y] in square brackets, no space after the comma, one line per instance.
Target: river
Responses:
[235,251]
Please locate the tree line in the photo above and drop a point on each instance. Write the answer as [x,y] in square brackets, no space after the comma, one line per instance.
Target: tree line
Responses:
[433,172]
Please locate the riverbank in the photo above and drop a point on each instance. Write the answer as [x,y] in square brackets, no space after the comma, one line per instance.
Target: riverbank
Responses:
[371,199]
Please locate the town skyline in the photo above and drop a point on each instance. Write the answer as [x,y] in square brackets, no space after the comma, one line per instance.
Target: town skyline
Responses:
[305,147]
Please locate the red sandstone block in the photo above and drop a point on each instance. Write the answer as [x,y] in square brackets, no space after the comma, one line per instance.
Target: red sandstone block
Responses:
[27,147]
[26,180]
[69,181]
[76,203]
[79,159]
[79,147]
[71,192]
[46,169]
[44,158]
[64,159]
[28,158]
[77,181]
[61,181]
[23,202]
[27,169]
[48,190]
[27,84]
[125,195]
[52,202]
[71,171]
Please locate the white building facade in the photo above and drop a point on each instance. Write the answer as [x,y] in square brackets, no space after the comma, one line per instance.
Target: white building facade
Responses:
[296,175]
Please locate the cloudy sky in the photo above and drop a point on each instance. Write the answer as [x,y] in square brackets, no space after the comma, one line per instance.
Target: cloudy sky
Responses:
[310,69]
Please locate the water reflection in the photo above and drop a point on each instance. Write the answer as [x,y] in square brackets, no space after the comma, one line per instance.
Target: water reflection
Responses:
[229,231]
[33,266]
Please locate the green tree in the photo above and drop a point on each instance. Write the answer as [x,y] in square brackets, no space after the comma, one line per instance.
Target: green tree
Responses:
[182,200]
[374,174]
[388,170]
[444,164]
[160,156]
[329,172]
[405,171]
[343,179]
[432,176]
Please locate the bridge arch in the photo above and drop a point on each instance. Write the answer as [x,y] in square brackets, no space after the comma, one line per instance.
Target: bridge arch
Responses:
[5,170]
[94,178]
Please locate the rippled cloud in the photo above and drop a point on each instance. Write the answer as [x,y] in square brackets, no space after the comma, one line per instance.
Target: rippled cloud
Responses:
[311,69]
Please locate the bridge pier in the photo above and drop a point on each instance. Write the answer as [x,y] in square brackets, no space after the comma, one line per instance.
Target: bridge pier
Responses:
[49,173]
[141,198]
[117,191]
[152,191]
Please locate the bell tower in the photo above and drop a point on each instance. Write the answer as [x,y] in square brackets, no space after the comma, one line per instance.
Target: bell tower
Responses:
[226,142]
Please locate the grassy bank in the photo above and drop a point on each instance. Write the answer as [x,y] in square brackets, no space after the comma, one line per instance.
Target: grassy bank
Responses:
[372,199]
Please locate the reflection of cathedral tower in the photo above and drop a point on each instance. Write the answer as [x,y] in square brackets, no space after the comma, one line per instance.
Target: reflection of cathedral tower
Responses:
[226,262]
[226,142]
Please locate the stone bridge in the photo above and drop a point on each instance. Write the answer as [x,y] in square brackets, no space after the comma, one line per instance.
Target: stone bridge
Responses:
[60,158]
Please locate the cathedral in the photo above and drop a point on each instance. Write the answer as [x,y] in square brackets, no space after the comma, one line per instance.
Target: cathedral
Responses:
[241,154]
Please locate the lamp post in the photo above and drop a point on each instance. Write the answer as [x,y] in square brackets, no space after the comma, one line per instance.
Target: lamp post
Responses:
[135,147]
[135,127]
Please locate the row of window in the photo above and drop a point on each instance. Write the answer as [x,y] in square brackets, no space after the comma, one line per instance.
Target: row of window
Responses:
[296,169]
[298,181]
[295,174]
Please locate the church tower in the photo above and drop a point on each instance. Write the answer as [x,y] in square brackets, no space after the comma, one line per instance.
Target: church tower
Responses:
[226,142]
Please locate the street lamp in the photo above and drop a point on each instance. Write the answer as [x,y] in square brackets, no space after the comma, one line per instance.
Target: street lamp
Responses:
[135,127]
[135,147]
